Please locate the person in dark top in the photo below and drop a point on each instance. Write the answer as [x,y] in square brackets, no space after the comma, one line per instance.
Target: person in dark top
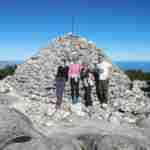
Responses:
[61,78]
[88,81]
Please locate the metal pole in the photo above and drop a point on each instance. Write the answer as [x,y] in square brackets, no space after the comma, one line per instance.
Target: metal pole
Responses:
[73,22]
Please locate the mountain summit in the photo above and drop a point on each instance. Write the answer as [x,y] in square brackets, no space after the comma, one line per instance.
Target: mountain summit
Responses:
[35,80]
[36,76]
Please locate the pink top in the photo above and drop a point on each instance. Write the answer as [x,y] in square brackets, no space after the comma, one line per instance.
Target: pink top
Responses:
[74,70]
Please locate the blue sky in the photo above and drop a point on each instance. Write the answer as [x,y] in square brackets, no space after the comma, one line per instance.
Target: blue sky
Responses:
[120,27]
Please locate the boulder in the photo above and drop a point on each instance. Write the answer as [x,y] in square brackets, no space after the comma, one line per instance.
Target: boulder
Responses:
[32,144]
[13,124]
[4,88]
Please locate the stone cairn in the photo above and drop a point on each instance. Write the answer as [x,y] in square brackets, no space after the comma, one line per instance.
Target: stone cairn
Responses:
[35,78]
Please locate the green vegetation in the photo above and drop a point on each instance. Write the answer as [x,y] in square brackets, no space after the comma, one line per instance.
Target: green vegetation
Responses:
[7,71]
[138,75]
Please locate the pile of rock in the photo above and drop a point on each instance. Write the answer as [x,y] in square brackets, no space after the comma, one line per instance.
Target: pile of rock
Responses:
[144,86]
[4,87]
[35,81]
[36,77]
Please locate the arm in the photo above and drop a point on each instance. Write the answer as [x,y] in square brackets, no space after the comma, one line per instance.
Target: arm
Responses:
[83,74]
[69,72]
[66,73]
[110,71]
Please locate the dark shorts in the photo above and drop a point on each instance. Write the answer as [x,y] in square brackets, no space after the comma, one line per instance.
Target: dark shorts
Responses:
[60,85]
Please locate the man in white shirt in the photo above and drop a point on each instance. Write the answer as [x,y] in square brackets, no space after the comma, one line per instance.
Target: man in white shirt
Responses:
[103,72]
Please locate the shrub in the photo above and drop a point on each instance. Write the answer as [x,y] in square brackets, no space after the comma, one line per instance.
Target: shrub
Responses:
[7,71]
[138,75]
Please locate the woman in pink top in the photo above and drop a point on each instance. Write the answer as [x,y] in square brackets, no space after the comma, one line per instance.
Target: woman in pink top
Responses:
[74,76]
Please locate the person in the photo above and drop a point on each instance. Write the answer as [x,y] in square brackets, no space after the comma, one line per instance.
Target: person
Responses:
[103,71]
[74,77]
[61,78]
[88,82]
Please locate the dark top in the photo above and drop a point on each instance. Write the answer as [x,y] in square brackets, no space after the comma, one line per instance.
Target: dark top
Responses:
[96,75]
[62,72]
[84,74]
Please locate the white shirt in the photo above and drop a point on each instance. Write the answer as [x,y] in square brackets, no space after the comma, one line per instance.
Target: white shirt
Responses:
[103,70]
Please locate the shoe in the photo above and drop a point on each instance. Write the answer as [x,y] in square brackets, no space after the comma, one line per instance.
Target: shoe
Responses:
[57,107]
[74,101]
[104,105]
[77,99]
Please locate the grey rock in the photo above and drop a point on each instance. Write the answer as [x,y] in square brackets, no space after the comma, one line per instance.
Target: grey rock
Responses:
[13,124]
[111,142]
[143,123]
[31,144]
[6,99]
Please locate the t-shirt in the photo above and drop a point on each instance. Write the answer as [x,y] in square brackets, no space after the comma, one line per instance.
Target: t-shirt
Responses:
[74,70]
[103,70]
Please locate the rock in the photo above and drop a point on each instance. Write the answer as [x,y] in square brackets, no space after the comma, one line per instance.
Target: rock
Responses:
[20,135]
[13,124]
[99,135]
[143,123]
[77,109]
[4,88]
[139,84]
[37,111]
[7,99]
[111,142]
[32,144]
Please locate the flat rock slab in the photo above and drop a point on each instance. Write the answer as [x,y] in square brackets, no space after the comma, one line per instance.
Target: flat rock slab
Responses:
[96,135]
[6,99]
[14,126]
[17,133]
[33,144]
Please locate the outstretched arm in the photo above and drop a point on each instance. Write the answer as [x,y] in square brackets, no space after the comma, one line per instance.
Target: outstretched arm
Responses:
[110,71]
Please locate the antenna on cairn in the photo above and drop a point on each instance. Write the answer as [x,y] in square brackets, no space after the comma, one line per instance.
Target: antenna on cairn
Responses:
[73,23]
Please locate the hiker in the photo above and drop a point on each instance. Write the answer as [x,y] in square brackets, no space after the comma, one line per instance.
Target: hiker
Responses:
[88,82]
[74,77]
[103,71]
[61,78]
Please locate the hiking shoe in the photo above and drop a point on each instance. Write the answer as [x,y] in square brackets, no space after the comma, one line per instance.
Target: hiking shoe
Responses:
[104,105]
[77,99]
[74,100]
[57,107]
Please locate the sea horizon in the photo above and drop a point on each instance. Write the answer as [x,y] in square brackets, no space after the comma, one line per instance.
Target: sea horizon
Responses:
[143,65]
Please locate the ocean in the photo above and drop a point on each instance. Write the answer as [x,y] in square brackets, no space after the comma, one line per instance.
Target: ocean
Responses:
[134,65]
[4,63]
